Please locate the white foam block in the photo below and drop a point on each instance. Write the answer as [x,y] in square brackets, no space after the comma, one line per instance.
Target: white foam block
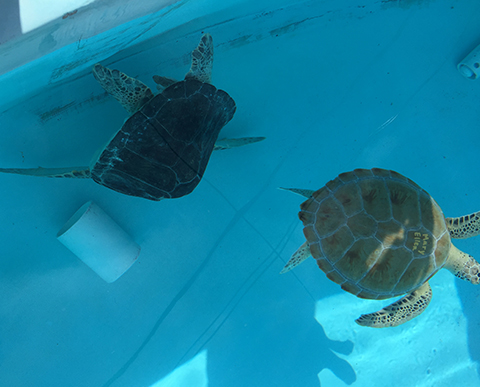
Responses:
[98,241]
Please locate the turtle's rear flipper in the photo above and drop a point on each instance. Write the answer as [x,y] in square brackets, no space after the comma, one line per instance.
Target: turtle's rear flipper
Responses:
[71,172]
[400,311]
[464,226]
[130,92]
[227,143]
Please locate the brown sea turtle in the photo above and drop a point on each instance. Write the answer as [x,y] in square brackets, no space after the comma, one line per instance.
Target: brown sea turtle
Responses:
[162,150]
[379,235]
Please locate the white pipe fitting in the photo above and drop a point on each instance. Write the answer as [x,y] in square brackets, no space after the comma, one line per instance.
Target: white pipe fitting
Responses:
[99,242]
[470,66]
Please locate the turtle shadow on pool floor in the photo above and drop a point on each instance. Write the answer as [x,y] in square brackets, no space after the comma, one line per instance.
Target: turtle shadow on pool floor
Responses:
[285,347]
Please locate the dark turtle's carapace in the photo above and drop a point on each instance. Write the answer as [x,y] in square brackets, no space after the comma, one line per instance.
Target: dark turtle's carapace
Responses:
[162,150]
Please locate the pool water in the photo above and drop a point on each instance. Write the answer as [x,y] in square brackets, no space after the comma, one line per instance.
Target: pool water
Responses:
[333,86]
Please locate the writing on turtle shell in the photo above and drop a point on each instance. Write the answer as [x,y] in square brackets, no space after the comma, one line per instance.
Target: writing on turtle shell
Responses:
[420,242]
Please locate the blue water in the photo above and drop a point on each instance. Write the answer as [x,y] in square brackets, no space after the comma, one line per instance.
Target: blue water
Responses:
[334,86]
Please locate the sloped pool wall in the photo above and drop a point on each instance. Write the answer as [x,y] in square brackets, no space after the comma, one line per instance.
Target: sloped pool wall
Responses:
[333,86]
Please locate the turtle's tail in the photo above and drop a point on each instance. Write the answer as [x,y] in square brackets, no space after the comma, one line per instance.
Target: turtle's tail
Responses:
[71,172]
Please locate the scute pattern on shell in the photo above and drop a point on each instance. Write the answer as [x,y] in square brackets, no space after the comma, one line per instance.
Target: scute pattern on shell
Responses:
[162,150]
[375,232]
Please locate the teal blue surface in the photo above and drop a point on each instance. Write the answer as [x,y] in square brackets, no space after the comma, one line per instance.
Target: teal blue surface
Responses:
[333,86]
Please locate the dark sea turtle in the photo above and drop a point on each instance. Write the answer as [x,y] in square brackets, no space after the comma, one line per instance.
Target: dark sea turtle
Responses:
[163,148]
[379,235]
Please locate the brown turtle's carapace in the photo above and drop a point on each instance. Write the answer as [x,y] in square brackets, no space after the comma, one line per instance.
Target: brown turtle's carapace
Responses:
[379,235]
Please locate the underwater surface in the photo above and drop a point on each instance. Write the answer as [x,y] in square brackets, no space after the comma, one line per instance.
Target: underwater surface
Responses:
[333,86]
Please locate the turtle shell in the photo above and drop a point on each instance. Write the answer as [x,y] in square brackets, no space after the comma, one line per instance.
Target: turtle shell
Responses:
[376,233]
[162,150]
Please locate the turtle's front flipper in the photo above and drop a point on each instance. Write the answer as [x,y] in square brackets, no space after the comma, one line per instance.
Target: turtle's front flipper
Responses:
[400,311]
[72,172]
[228,143]
[130,92]
[202,60]
[464,226]
[297,258]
